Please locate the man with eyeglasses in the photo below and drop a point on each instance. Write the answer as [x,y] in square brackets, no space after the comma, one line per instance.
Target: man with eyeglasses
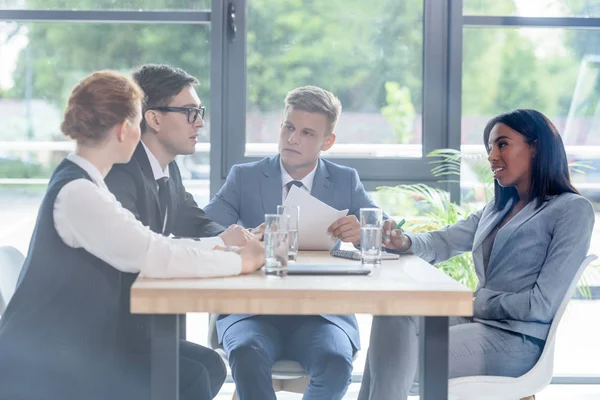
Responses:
[150,185]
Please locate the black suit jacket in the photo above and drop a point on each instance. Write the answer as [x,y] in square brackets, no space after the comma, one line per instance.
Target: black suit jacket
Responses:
[134,186]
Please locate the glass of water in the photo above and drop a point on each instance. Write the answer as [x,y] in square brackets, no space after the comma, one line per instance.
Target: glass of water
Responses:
[276,244]
[294,213]
[371,229]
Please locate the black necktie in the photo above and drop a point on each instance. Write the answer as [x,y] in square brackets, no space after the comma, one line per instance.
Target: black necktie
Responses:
[288,186]
[163,197]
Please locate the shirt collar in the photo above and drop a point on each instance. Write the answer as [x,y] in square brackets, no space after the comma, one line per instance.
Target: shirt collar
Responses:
[155,165]
[88,167]
[307,181]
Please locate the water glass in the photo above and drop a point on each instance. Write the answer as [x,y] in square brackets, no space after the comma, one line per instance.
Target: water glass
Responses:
[371,229]
[276,244]
[294,213]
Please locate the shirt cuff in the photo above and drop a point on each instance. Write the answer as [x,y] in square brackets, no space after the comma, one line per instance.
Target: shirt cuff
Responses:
[212,241]
[232,263]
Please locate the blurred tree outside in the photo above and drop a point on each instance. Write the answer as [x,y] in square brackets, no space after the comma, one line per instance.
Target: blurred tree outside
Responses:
[399,111]
[349,47]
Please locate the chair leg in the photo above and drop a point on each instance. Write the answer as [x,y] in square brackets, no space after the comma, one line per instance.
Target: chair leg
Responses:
[532,397]
[277,385]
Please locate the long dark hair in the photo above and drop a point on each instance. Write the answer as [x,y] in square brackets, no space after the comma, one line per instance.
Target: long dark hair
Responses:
[550,170]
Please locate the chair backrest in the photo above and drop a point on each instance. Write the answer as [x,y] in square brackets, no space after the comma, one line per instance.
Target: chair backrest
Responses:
[11,262]
[543,369]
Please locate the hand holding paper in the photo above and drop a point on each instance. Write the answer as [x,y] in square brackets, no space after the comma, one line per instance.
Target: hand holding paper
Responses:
[315,218]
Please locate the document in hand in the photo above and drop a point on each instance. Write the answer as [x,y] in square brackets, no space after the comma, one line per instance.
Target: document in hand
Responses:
[315,218]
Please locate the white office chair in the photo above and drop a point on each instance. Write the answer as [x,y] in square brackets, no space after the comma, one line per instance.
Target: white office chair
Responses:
[11,262]
[288,375]
[527,385]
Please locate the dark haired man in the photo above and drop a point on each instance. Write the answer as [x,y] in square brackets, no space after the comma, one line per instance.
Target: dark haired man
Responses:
[150,186]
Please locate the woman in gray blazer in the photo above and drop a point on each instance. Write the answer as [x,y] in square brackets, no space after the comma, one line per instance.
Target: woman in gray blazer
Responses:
[527,245]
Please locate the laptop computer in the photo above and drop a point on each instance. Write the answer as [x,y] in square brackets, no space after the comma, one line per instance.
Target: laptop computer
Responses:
[326,269]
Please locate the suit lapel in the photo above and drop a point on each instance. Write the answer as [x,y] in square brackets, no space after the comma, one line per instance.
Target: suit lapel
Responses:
[504,234]
[171,211]
[270,186]
[488,223]
[156,219]
[149,181]
[322,187]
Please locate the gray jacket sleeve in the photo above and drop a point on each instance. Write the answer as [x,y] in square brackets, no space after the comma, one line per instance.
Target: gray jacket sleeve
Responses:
[224,208]
[438,246]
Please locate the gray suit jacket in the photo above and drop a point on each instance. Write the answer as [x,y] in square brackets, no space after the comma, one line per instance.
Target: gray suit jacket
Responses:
[254,189]
[533,259]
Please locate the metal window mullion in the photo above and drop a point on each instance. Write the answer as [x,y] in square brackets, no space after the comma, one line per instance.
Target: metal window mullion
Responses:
[108,16]
[435,76]
[228,90]
[455,45]
[532,22]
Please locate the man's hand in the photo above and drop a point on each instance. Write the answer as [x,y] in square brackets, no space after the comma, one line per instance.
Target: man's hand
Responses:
[235,235]
[347,229]
[395,239]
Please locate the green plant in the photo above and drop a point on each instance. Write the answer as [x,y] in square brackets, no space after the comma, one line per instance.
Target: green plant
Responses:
[399,111]
[436,212]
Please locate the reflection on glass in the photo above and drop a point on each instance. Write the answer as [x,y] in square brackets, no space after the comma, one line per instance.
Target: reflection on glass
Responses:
[152,5]
[555,71]
[533,8]
[41,62]
[369,54]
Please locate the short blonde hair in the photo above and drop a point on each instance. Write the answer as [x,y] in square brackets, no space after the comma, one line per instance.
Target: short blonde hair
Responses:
[316,100]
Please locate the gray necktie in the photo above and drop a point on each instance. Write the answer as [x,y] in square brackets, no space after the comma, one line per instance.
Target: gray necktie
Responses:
[288,186]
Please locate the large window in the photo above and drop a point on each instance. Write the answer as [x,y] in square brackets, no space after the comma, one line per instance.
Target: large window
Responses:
[369,54]
[533,8]
[106,4]
[41,63]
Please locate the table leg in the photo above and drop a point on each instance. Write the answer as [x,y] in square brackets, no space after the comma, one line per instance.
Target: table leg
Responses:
[182,326]
[433,360]
[164,367]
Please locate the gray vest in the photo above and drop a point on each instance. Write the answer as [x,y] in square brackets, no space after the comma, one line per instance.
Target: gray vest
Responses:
[67,333]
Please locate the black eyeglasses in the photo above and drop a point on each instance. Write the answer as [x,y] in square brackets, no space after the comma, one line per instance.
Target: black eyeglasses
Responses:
[192,112]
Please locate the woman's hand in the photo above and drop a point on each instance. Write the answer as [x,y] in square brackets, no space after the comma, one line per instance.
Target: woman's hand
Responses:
[253,256]
[236,235]
[395,239]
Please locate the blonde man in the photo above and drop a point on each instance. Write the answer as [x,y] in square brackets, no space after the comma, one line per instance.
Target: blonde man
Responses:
[324,345]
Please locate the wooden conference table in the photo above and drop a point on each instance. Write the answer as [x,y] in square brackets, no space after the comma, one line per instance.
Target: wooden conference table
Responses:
[408,286]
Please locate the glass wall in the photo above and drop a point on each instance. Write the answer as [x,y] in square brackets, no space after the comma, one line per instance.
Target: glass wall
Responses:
[369,54]
[105,4]
[533,8]
[41,64]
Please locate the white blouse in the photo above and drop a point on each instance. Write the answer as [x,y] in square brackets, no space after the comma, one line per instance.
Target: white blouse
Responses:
[87,215]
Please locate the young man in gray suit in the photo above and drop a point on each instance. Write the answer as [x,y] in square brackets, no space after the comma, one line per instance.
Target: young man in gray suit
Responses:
[324,345]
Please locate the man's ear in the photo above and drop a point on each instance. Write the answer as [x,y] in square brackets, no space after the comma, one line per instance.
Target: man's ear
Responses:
[152,119]
[329,141]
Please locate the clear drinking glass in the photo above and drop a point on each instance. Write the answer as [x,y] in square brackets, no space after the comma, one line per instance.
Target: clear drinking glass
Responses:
[294,213]
[276,244]
[371,229]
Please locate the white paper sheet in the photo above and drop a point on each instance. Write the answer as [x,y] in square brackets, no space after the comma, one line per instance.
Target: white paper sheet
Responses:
[315,218]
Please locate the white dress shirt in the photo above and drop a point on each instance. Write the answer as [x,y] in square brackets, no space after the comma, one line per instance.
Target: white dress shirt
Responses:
[307,181]
[87,215]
